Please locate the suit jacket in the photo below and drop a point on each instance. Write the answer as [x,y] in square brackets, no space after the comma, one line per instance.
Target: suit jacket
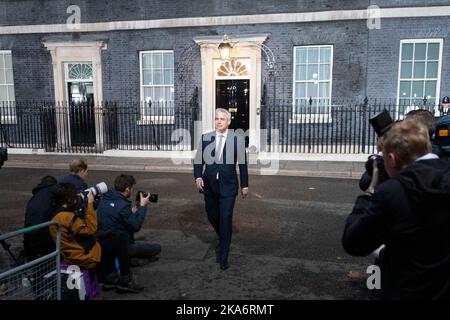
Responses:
[233,153]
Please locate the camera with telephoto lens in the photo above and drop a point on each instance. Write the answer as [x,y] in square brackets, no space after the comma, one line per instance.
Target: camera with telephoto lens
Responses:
[97,190]
[152,198]
[82,199]
[3,156]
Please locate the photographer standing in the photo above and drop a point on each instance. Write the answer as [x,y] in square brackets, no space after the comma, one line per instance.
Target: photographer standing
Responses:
[116,214]
[409,214]
[78,174]
[421,116]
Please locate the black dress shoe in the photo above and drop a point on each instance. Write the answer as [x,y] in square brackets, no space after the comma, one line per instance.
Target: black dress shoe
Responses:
[224,266]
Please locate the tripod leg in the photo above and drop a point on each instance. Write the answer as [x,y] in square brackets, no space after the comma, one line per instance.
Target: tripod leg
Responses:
[7,247]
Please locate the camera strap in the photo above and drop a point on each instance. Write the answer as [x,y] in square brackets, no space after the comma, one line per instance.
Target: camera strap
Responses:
[72,221]
[87,242]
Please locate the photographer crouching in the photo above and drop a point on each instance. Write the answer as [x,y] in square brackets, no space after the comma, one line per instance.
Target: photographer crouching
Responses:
[80,246]
[117,214]
[408,213]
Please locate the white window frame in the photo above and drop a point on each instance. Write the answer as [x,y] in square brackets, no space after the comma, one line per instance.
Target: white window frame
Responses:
[146,120]
[9,119]
[319,117]
[67,79]
[440,41]
[66,71]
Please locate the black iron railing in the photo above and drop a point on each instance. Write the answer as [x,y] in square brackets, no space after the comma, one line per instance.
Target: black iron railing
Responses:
[301,127]
[94,128]
[323,127]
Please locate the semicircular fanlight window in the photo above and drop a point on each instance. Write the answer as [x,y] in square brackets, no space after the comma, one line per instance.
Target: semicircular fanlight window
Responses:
[80,71]
[232,68]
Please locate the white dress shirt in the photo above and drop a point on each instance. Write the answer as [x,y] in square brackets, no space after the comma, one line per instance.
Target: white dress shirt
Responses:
[223,142]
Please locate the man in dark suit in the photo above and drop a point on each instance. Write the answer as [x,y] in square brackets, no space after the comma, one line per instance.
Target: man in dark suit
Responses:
[219,151]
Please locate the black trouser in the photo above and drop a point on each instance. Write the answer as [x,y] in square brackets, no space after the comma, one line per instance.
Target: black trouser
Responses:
[141,249]
[220,215]
[114,246]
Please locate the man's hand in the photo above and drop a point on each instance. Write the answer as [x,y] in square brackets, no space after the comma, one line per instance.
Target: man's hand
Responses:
[90,197]
[375,178]
[244,192]
[199,184]
[145,200]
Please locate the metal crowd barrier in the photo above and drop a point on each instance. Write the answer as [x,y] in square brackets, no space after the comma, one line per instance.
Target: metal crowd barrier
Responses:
[39,279]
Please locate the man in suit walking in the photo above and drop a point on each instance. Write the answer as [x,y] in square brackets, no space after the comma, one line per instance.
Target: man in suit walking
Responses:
[219,151]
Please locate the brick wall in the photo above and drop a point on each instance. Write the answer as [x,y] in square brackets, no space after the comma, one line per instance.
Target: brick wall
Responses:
[384,50]
[33,73]
[50,11]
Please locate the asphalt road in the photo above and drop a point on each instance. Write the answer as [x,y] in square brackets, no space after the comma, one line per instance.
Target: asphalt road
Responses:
[286,239]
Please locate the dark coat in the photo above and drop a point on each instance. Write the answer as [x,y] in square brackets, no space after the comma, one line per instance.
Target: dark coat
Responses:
[38,210]
[75,180]
[410,214]
[114,214]
[233,153]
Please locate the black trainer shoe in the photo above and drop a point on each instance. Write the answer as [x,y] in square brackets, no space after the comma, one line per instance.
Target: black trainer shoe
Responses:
[110,281]
[141,262]
[127,284]
[134,262]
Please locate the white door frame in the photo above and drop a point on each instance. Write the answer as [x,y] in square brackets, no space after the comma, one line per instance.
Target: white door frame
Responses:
[244,46]
[65,52]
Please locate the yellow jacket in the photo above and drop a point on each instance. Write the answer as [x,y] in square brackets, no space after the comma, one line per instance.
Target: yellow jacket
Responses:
[71,251]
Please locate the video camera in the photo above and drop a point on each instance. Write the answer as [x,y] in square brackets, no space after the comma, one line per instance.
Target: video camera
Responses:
[3,156]
[381,123]
[153,197]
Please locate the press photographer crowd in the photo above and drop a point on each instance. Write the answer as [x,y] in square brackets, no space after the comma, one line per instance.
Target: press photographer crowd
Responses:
[402,217]
[97,226]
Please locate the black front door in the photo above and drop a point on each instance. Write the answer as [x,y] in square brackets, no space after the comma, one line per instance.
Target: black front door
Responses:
[233,95]
[81,108]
